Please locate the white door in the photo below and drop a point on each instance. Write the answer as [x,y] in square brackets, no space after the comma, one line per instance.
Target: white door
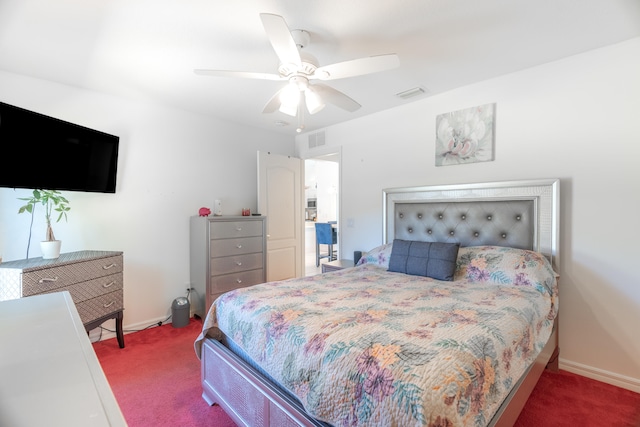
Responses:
[280,192]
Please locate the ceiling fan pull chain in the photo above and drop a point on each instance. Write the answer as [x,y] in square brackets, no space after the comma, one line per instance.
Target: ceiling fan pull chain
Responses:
[300,115]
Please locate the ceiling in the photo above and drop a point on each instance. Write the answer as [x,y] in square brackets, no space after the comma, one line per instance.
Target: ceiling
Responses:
[147,49]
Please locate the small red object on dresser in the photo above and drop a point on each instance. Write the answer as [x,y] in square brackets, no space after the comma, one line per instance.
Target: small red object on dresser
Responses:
[204,212]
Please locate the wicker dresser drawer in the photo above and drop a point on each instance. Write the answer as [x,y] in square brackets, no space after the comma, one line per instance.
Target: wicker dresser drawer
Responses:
[231,229]
[232,264]
[245,245]
[53,278]
[94,288]
[101,306]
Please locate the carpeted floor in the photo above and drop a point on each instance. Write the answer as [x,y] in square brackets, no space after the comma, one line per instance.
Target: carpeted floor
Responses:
[563,399]
[156,378]
[156,381]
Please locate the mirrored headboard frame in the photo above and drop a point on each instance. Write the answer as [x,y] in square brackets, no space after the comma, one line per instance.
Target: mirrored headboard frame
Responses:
[544,194]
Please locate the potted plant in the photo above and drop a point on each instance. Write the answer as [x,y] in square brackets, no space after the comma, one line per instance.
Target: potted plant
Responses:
[53,201]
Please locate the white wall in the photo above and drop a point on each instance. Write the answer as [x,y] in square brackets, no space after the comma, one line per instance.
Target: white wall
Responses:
[574,119]
[171,163]
[577,119]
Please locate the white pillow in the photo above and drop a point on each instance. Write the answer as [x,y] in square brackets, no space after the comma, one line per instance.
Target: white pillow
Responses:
[377,256]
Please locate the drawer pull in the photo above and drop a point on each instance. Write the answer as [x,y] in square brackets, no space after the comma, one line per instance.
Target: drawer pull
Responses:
[48,279]
[238,263]
[108,285]
[108,305]
[239,246]
[106,267]
[238,281]
[238,228]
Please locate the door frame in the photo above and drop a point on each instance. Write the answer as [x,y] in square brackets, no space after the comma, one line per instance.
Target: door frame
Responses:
[317,154]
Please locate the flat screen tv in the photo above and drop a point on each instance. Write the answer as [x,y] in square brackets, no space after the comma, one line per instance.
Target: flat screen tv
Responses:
[41,152]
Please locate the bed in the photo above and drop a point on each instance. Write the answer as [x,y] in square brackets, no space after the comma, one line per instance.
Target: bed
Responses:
[457,333]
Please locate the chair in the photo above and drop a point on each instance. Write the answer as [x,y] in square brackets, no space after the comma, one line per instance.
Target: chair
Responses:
[326,235]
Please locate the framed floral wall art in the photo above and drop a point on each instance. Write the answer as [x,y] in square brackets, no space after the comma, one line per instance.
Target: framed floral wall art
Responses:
[465,136]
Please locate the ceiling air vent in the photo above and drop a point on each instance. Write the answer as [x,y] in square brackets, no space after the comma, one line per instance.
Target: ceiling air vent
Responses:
[316,139]
[410,93]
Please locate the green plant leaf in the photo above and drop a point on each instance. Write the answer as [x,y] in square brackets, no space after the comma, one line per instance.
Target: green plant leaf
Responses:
[52,200]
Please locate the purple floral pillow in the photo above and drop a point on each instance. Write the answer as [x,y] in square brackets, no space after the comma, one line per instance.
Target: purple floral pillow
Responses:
[377,256]
[507,266]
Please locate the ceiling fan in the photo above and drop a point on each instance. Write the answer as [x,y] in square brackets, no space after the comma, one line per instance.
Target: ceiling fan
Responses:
[301,69]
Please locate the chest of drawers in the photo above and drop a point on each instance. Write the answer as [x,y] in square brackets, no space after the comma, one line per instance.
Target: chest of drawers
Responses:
[226,253]
[94,279]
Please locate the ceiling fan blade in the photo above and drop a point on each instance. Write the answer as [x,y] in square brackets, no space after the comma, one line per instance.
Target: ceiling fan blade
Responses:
[335,97]
[357,67]
[241,74]
[274,103]
[281,39]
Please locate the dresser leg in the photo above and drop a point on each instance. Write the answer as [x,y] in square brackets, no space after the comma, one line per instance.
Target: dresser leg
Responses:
[119,332]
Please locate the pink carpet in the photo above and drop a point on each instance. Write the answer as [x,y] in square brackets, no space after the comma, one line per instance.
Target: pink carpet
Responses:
[156,381]
[563,399]
[156,378]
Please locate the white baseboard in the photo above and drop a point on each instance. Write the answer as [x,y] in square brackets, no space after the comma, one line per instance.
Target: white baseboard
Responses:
[601,375]
[99,334]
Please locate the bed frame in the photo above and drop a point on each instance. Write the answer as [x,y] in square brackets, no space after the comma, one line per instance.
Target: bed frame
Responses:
[522,214]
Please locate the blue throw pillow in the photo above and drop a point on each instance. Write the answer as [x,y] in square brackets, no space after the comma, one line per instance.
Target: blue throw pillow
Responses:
[429,259]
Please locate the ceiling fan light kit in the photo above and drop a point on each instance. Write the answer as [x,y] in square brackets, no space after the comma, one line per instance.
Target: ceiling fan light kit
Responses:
[289,100]
[313,101]
[300,69]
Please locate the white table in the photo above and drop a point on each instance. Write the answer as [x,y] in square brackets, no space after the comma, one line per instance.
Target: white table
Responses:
[49,372]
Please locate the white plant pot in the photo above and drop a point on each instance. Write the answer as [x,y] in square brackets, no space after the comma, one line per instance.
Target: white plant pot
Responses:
[50,249]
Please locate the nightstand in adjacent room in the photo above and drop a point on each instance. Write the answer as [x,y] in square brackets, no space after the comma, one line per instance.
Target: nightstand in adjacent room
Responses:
[93,278]
[337,265]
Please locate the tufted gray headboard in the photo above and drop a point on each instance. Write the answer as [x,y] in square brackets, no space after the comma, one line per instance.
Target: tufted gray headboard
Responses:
[520,214]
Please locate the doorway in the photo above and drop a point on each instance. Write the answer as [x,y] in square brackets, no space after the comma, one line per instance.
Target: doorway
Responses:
[322,203]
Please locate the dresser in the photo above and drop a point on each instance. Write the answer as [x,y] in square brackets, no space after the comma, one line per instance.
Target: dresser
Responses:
[50,373]
[94,279]
[226,253]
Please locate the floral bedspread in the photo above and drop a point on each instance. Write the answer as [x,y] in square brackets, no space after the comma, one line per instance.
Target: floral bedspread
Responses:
[367,347]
